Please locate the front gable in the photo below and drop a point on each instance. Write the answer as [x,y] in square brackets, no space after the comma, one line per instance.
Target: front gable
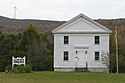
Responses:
[81,24]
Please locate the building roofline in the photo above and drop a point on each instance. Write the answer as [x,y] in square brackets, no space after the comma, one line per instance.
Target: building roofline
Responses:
[85,17]
[81,33]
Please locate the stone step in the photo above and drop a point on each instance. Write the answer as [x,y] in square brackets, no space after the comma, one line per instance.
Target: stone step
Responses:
[81,69]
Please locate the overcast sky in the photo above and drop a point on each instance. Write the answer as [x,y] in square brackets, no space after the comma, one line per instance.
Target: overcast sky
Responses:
[62,10]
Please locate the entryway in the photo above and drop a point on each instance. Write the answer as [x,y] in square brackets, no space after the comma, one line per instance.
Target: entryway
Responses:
[81,60]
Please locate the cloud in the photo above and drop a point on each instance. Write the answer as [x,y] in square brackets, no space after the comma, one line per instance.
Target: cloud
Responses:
[62,9]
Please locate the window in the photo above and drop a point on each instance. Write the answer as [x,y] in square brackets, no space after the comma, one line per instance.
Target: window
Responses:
[96,39]
[85,52]
[66,39]
[76,52]
[66,56]
[96,56]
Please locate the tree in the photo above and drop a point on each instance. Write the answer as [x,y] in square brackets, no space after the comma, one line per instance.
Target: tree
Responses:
[121,51]
[7,46]
[105,59]
[35,47]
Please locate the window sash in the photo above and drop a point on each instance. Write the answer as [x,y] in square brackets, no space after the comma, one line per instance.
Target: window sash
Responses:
[97,39]
[66,56]
[66,39]
[96,56]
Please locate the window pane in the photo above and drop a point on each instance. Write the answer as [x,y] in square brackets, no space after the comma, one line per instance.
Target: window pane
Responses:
[66,39]
[65,55]
[96,39]
[96,55]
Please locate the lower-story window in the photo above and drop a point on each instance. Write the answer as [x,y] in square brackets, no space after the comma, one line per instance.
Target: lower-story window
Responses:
[66,53]
[96,56]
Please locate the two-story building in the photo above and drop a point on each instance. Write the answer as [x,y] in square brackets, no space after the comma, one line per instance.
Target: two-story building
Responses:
[78,45]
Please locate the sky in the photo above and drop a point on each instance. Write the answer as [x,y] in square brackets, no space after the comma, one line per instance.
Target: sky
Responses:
[62,10]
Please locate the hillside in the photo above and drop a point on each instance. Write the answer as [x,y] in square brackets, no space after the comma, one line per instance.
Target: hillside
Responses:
[18,25]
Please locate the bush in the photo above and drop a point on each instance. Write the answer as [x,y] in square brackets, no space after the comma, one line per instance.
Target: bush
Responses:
[8,69]
[19,69]
[28,68]
[22,69]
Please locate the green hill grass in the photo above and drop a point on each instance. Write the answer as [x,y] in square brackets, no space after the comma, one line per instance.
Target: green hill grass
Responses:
[62,77]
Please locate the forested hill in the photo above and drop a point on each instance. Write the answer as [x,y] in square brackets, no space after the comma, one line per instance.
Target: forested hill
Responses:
[18,25]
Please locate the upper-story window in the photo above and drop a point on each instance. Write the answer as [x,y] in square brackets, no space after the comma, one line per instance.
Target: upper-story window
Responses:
[97,40]
[66,39]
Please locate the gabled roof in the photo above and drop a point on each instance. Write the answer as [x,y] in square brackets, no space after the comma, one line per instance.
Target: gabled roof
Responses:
[77,17]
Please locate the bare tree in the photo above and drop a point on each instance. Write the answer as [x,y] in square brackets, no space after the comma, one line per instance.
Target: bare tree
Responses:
[105,58]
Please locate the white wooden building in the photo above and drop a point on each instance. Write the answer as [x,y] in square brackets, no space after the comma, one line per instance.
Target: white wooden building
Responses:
[78,45]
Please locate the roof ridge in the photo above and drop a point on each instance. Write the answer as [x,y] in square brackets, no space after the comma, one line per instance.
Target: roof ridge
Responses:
[85,17]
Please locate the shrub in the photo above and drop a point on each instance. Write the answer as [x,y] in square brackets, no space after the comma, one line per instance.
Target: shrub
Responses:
[18,69]
[8,69]
[28,68]
[22,69]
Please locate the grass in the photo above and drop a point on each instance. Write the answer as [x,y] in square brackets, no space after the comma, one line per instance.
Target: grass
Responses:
[62,77]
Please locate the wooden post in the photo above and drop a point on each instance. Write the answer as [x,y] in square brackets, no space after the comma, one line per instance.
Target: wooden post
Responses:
[116,41]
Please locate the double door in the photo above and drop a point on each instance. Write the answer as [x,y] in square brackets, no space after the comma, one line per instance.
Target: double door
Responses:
[81,59]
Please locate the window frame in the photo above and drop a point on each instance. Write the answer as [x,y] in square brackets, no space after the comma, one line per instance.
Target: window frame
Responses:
[97,39]
[65,55]
[66,39]
[97,56]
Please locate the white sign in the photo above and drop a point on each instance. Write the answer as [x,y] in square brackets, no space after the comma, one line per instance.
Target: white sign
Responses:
[18,61]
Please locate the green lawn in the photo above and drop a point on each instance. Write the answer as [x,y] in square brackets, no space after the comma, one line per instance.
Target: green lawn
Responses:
[62,77]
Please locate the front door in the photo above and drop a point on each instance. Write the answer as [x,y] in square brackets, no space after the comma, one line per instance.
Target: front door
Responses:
[81,59]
